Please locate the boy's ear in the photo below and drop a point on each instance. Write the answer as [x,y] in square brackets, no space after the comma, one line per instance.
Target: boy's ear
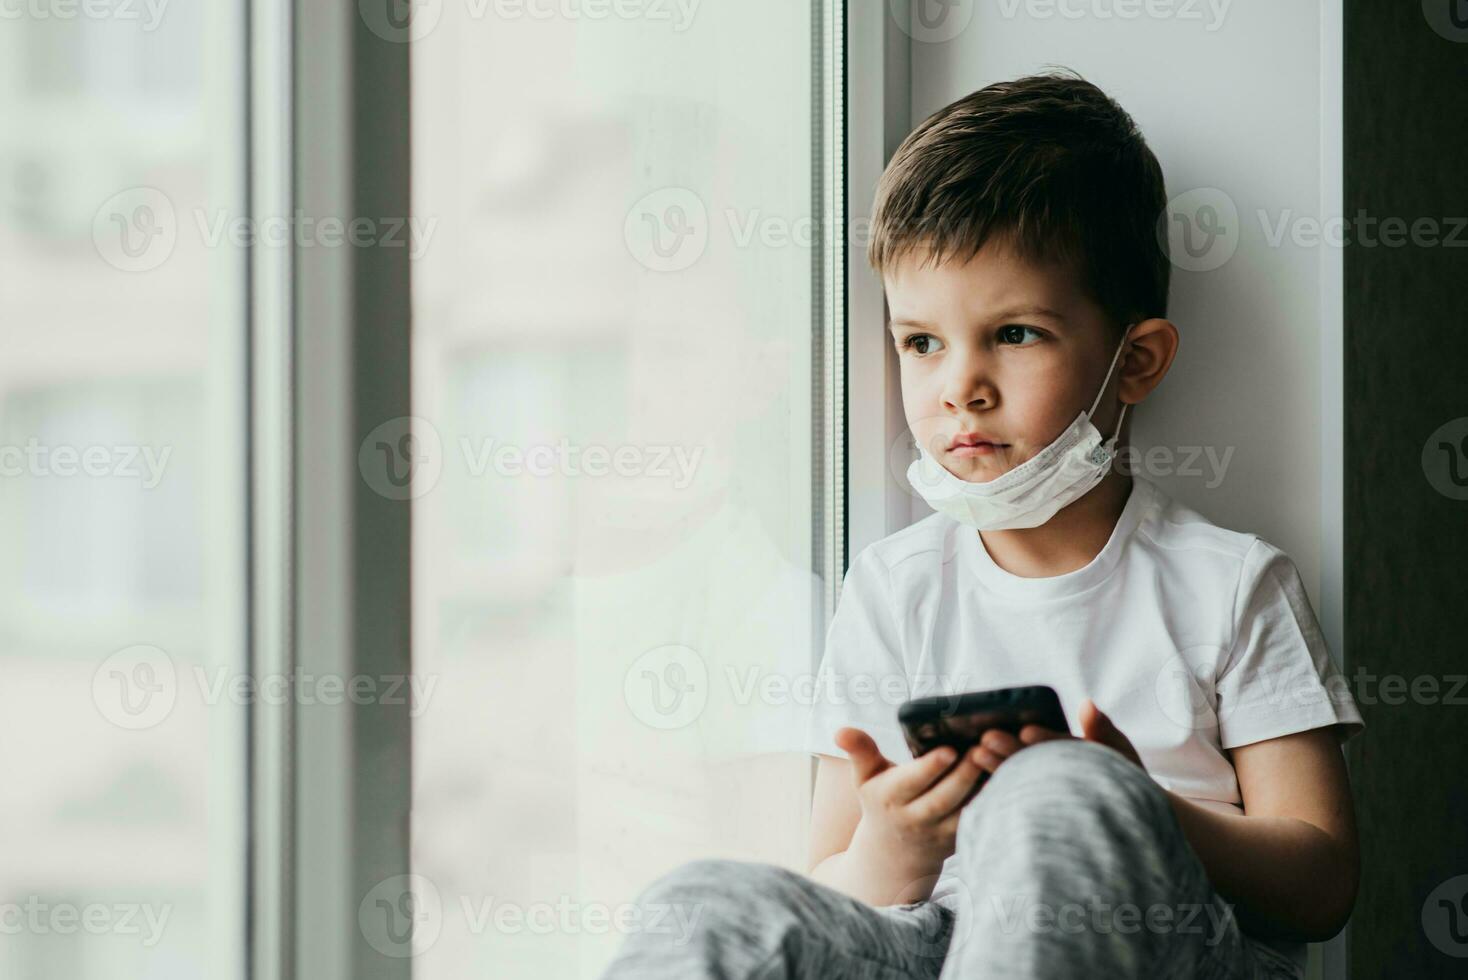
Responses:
[1151,346]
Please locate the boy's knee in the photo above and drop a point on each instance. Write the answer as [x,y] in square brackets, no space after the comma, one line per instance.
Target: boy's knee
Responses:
[707,913]
[1064,757]
[1073,763]
[1070,776]
[712,892]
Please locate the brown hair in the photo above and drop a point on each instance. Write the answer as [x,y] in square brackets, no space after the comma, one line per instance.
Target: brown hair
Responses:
[1047,163]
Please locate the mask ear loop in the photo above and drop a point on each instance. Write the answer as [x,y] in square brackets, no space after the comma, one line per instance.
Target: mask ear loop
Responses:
[1108,448]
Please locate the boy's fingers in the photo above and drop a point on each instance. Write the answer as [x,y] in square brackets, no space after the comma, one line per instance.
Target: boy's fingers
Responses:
[866,759]
[990,761]
[1030,734]
[948,826]
[949,792]
[912,780]
[1001,743]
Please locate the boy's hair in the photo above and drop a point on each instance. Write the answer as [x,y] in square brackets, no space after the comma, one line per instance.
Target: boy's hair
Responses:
[1047,163]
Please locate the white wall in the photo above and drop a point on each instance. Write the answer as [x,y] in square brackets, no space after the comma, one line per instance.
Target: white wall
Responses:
[1239,109]
[1248,103]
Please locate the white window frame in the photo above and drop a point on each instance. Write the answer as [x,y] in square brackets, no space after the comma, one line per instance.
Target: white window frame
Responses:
[879,118]
[329,361]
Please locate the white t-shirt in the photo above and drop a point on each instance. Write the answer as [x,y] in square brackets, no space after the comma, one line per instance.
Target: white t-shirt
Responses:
[1192,638]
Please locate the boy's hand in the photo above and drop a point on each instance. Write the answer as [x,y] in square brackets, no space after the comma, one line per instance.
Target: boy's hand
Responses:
[996,746]
[909,812]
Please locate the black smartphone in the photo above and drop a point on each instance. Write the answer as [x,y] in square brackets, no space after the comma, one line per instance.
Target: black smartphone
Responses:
[960,720]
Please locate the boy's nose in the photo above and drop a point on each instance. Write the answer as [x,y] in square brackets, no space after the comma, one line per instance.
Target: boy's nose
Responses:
[969,386]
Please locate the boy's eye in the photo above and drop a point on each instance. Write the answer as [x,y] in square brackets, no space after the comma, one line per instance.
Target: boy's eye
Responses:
[1016,334]
[922,343]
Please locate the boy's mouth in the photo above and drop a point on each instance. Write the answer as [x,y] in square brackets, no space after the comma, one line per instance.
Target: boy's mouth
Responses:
[967,444]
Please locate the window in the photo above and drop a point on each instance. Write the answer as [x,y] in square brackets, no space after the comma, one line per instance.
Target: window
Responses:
[622,459]
[625,367]
[121,497]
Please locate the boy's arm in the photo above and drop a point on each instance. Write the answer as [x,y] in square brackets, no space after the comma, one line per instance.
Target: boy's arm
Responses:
[837,858]
[834,816]
[835,811]
[1290,863]
[885,843]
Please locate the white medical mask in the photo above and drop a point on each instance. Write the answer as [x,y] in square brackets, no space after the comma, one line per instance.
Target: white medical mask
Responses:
[1032,492]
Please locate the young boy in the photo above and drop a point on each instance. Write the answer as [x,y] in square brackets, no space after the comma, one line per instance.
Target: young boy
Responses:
[1201,825]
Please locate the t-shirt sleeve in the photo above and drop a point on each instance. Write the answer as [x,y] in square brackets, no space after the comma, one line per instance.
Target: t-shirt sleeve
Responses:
[1279,677]
[861,681]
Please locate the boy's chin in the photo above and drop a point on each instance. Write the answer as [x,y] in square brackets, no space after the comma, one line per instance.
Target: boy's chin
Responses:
[978,469]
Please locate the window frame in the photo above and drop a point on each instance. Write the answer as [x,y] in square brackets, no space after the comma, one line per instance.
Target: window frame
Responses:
[329,360]
[329,558]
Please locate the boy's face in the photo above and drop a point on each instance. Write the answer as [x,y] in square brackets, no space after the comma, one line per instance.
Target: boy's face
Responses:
[1000,350]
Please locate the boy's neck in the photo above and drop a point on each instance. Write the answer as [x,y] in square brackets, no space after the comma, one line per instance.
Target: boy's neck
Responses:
[1066,542]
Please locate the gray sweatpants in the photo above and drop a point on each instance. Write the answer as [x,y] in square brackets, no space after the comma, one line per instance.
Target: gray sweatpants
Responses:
[1071,863]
